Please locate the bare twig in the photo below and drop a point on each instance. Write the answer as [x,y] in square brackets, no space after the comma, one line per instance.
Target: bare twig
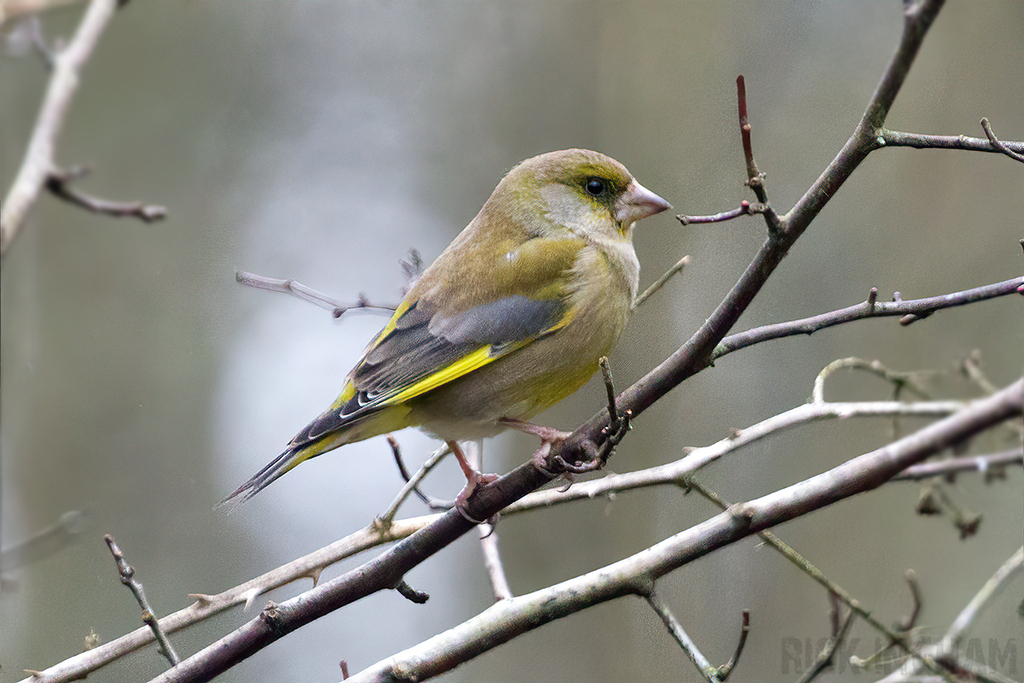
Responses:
[892,138]
[39,161]
[127,574]
[660,282]
[953,637]
[908,622]
[707,670]
[308,294]
[826,658]
[871,308]
[987,464]
[900,380]
[59,183]
[744,209]
[411,594]
[385,520]
[500,586]
[725,670]
[432,503]
[1000,145]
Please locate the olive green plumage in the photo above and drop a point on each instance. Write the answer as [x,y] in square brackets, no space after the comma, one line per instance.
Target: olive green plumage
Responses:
[510,319]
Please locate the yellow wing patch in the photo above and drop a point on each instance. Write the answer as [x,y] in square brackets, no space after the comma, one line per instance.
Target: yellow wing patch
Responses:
[465,365]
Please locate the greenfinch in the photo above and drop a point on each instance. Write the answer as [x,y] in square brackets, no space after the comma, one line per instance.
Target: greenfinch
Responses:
[511,318]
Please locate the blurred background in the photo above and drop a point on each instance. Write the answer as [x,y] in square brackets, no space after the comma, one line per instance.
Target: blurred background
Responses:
[321,141]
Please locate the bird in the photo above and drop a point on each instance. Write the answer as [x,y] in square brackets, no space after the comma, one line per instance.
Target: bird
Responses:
[512,317]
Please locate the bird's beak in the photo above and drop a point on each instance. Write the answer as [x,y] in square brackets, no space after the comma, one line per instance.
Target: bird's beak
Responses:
[638,202]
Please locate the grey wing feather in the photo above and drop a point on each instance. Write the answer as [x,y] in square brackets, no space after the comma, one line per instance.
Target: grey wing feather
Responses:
[423,341]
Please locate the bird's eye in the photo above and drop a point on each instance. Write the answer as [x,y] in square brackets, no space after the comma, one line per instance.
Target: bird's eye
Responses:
[594,186]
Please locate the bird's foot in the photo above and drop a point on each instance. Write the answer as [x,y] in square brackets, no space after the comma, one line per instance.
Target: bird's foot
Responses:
[474,480]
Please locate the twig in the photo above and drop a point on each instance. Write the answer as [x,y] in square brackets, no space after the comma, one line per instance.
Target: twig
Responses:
[411,594]
[660,282]
[998,144]
[826,658]
[725,670]
[127,574]
[987,464]
[59,184]
[386,519]
[744,209]
[677,472]
[431,503]
[892,138]
[899,380]
[871,308]
[301,291]
[953,637]
[606,374]
[908,622]
[39,158]
[500,586]
[755,179]
[707,670]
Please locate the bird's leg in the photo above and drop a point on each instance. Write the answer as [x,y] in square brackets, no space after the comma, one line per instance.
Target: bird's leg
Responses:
[474,478]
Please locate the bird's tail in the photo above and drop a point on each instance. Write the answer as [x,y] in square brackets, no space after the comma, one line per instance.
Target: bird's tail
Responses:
[262,479]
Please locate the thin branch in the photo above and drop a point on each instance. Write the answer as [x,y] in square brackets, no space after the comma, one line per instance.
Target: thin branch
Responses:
[678,472]
[127,574]
[726,669]
[892,138]
[1016,155]
[826,658]
[987,464]
[432,503]
[660,282]
[900,380]
[39,160]
[744,209]
[871,308]
[411,484]
[308,294]
[500,586]
[907,623]
[707,670]
[59,183]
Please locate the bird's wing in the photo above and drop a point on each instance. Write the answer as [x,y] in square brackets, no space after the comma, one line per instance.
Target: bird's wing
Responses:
[420,350]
